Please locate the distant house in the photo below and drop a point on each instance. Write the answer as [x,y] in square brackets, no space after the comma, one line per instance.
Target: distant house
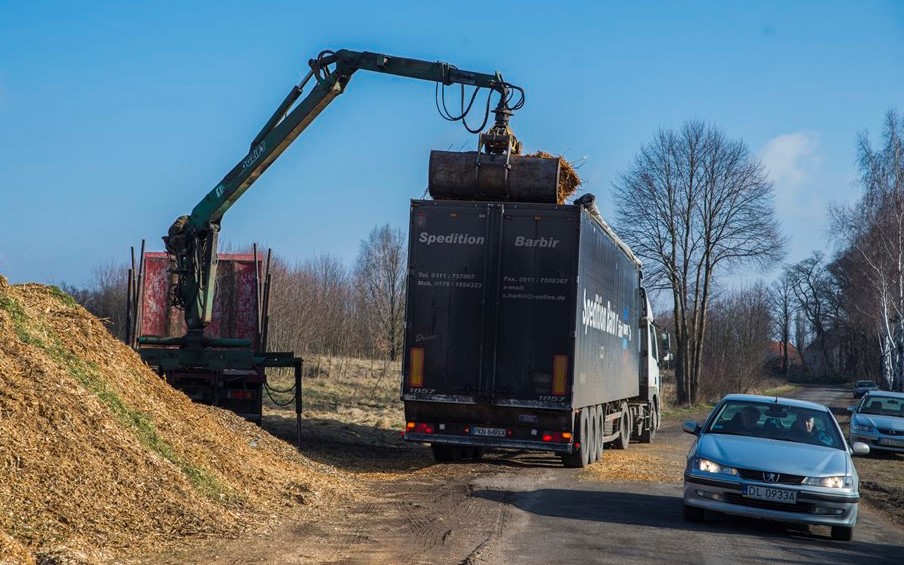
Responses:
[824,355]
[775,352]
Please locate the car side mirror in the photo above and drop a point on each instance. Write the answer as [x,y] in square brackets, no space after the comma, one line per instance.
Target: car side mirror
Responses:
[860,448]
[691,428]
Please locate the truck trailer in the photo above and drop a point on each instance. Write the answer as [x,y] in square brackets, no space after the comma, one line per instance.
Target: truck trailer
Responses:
[527,328]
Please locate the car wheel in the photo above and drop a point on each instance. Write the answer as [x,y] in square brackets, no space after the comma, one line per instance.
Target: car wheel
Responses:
[694,514]
[842,533]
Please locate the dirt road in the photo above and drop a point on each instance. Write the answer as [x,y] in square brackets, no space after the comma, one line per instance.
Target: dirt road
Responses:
[526,508]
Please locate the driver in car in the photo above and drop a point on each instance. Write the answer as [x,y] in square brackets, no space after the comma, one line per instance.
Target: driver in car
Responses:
[804,430]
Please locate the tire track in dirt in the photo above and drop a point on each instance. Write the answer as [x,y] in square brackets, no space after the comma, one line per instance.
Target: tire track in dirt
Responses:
[427,519]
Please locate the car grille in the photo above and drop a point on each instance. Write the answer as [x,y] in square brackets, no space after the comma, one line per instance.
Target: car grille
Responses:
[891,432]
[783,478]
[798,507]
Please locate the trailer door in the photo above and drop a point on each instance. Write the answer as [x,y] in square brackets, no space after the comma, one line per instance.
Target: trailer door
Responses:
[449,260]
[535,327]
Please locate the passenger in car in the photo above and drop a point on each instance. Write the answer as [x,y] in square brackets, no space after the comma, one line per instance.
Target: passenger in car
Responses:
[744,422]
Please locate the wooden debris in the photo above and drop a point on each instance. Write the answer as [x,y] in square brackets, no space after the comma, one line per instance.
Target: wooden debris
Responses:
[569,181]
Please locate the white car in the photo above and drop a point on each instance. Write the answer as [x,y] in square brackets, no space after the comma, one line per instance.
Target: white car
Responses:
[773,458]
[878,421]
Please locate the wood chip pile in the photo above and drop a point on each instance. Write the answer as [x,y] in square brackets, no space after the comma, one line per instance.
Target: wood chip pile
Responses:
[569,181]
[99,455]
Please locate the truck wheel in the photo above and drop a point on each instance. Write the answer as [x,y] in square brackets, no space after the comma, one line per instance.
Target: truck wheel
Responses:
[581,458]
[443,453]
[624,432]
[586,438]
[593,452]
[658,414]
[650,432]
[600,419]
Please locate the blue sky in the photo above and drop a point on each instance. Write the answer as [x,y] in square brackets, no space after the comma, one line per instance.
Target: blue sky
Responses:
[117,117]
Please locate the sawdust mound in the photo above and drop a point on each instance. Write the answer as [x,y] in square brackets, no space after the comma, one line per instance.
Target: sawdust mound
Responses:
[99,456]
[569,181]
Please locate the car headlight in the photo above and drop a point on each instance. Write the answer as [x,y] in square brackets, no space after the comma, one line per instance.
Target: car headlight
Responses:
[861,428]
[830,482]
[708,466]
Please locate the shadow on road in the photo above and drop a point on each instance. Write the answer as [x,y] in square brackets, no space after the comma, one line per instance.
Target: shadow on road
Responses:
[350,447]
[811,544]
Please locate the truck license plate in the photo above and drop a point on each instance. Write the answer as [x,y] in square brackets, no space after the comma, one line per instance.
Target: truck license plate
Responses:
[491,432]
[770,494]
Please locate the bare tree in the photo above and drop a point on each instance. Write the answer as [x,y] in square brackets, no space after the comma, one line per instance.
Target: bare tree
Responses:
[817,298]
[380,279]
[857,316]
[291,308]
[693,204]
[105,296]
[310,306]
[810,285]
[874,227]
[781,299]
[738,337]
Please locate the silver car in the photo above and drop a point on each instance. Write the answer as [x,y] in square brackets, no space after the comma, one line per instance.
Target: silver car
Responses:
[773,458]
[863,387]
[878,421]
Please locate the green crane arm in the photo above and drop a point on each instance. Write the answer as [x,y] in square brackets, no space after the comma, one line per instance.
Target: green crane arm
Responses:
[192,240]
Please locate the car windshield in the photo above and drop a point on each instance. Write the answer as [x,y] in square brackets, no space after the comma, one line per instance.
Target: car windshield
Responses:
[866,384]
[776,421]
[882,406]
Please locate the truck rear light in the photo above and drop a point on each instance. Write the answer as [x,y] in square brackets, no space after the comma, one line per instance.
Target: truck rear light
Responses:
[416,367]
[420,428]
[237,394]
[556,437]
[559,374]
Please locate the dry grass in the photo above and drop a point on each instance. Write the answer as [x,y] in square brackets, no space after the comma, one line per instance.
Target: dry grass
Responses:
[880,483]
[352,417]
[355,391]
[98,456]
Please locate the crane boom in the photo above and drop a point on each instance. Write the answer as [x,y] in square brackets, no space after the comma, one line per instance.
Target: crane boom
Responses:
[192,240]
